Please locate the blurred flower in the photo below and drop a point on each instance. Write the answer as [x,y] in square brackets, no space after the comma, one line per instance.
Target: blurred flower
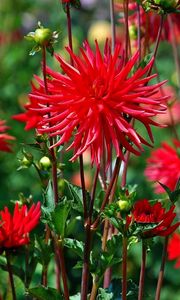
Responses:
[174,249]
[171,116]
[4,137]
[96,99]
[15,229]
[99,31]
[76,179]
[164,166]
[146,214]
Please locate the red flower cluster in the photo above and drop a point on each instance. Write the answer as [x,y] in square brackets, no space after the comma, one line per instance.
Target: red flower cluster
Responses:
[4,137]
[94,102]
[164,166]
[15,229]
[174,249]
[146,214]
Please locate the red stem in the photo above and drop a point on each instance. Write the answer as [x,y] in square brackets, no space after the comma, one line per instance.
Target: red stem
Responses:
[161,272]
[69,28]
[108,192]
[113,27]
[126,12]
[55,190]
[10,276]
[124,269]
[142,273]
[157,42]
[85,272]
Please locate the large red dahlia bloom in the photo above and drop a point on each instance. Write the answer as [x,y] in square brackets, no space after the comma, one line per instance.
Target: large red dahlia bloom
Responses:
[4,137]
[164,166]
[94,102]
[15,229]
[174,249]
[146,214]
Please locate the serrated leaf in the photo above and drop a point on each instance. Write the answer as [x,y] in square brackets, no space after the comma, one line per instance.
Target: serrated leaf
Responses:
[74,245]
[43,251]
[59,217]
[45,293]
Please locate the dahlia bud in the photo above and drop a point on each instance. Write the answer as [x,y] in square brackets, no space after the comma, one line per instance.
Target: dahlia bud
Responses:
[124,205]
[43,37]
[25,162]
[45,163]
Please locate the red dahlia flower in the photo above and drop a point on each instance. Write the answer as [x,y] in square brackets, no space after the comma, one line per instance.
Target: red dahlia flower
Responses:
[15,229]
[94,101]
[164,166]
[4,137]
[174,249]
[146,214]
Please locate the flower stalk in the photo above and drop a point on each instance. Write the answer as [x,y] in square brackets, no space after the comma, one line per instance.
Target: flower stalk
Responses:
[11,279]
[161,272]
[142,272]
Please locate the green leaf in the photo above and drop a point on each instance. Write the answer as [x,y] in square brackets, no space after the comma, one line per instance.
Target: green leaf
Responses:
[43,251]
[19,272]
[103,294]
[49,204]
[31,269]
[145,60]
[76,297]
[75,245]
[34,50]
[45,293]
[173,195]
[60,215]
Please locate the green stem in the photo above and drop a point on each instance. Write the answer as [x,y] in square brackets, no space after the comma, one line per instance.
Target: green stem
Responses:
[10,275]
[124,269]
[161,272]
[142,272]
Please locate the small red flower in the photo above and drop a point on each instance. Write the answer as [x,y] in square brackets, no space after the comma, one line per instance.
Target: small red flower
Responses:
[164,166]
[174,249]
[146,214]
[94,101]
[15,228]
[4,137]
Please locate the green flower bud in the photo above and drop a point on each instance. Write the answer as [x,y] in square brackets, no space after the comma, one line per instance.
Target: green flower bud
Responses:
[25,162]
[43,36]
[124,205]
[45,163]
